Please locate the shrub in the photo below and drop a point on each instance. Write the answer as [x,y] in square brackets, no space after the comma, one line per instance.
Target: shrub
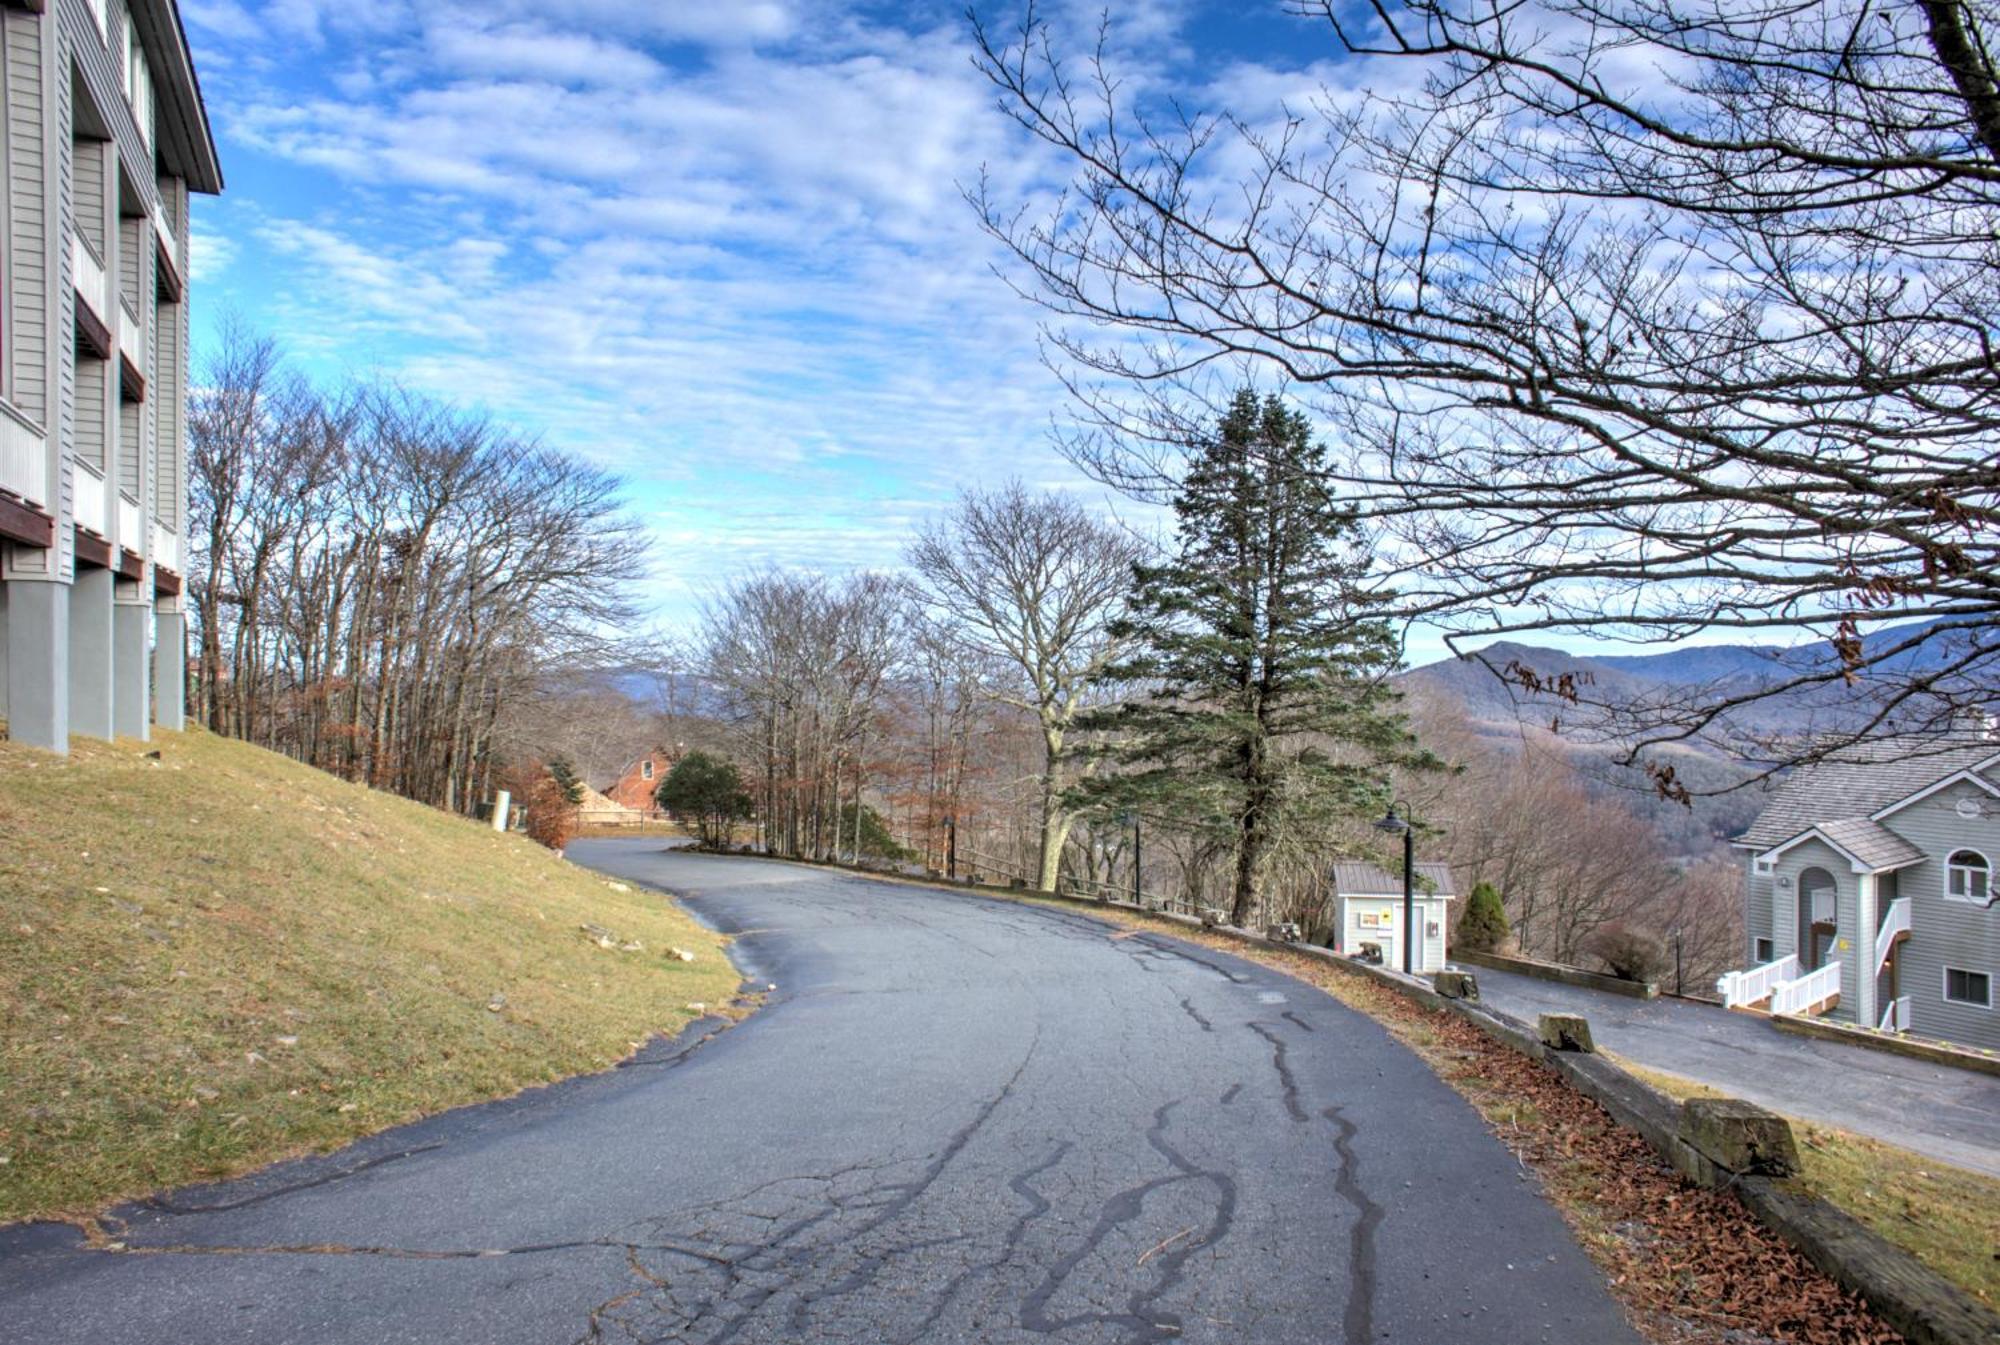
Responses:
[1629,954]
[547,814]
[876,842]
[1482,927]
[707,792]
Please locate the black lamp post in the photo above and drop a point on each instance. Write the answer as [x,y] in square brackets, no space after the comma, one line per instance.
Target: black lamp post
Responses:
[951,847]
[1130,818]
[1396,825]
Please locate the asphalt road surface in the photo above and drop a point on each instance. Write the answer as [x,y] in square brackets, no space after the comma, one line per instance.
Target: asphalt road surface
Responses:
[1948,1113]
[957,1119]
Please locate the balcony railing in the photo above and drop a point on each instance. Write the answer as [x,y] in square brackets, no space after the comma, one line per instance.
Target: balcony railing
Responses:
[166,549]
[130,524]
[23,457]
[1896,1015]
[1808,991]
[92,508]
[1895,922]
[91,281]
[1740,988]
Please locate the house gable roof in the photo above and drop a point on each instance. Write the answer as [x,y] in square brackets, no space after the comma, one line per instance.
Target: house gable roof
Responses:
[1868,783]
[1970,776]
[1867,845]
[1354,878]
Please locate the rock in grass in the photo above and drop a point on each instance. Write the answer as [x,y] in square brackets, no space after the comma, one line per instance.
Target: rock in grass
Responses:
[496,1003]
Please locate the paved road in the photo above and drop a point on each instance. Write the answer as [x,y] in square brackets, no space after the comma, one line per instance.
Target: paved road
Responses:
[1952,1114]
[957,1120]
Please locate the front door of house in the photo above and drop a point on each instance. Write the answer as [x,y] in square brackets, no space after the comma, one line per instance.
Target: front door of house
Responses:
[1819,910]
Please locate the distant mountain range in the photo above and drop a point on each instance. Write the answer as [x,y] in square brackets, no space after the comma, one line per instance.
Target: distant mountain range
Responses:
[1502,711]
[1693,673]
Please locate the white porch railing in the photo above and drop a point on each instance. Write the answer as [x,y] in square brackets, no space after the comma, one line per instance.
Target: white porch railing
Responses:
[166,548]
[131,336]
[1896,922]
[23,457]
[1896,1016]
[92,509]
[1813,988]
[168,239]
[1739,988]
[130,524]
[91,281]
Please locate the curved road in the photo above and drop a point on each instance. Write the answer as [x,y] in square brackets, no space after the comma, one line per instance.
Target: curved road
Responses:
[956,1119]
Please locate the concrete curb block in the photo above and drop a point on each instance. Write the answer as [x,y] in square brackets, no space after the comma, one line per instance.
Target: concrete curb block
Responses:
[1917,1301]
[1931,1052]
[1555,971]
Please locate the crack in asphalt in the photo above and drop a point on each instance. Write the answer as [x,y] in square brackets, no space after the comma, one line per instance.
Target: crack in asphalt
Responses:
[785,1263]
[1145,1323]
[166,1205]
[1357,1324]
[1038,1205]
[1187,1006]
[1285,1077]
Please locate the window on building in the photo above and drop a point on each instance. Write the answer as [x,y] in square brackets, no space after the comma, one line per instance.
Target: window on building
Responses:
[1968,877]
[1763,951]
[1968,987]
[646,770]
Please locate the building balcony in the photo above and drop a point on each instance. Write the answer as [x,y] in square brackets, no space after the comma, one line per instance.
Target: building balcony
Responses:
[92,506]
[23,458]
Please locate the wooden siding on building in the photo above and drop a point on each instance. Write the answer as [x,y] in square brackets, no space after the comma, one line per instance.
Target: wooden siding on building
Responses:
[1944,932]
[28,282]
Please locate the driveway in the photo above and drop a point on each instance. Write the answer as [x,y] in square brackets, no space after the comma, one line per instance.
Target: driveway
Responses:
[956,1119]
[1947,1113]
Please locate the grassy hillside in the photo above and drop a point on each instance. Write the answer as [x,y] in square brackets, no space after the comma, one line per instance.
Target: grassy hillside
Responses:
[211,956]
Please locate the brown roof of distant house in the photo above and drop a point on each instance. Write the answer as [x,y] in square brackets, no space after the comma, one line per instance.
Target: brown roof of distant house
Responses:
[1354,878]
[1866,780]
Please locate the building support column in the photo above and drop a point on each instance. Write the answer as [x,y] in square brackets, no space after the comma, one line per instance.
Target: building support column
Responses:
[1866,1011]
[91,650]
[131,663]
[38,663]
[169,665]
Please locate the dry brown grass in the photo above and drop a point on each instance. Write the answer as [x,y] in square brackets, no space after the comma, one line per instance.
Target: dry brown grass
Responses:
[212,956]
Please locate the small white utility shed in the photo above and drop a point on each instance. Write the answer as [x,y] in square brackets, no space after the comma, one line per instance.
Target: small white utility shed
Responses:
[1368,908]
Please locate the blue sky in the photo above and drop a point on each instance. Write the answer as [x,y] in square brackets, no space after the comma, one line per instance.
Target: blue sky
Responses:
[719,246]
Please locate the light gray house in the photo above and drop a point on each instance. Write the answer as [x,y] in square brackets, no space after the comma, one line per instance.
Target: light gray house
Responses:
[1869,892]
[104,136]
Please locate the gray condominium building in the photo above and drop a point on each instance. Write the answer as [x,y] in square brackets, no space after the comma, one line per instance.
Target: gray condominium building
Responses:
[105,136]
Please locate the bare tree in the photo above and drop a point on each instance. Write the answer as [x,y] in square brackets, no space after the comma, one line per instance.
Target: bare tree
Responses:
[1031,581]
[379,576]
[801,667]
[1638,317]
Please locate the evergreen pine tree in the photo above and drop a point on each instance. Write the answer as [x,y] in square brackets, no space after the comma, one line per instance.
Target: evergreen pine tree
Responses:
[1263,708]
[1483,926]
[567,780]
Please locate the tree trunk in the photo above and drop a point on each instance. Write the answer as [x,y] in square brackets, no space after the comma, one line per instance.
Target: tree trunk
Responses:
[1055,820]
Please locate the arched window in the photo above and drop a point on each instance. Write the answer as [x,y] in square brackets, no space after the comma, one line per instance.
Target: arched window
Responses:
[1968,877]
[646,769]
